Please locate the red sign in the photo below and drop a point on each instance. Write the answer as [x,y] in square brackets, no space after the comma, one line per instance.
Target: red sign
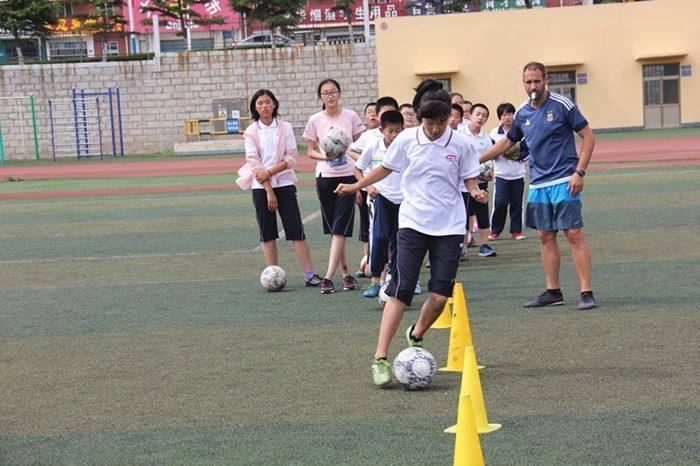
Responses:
[324,15]
[207,10]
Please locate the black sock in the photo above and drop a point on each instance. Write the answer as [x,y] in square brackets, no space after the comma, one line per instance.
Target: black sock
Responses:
[589,292]
[554,291]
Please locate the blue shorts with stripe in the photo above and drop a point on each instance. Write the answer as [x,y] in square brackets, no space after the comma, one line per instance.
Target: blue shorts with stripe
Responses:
[553,208]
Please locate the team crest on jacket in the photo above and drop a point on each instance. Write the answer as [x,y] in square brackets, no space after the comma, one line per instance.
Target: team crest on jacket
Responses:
[451,157]
[550,116]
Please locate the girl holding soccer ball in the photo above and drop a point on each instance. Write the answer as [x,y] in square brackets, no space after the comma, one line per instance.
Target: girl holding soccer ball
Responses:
[271,153]
[434,162]
[338,213]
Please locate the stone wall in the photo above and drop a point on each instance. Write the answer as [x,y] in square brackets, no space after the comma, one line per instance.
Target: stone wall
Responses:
[157,98]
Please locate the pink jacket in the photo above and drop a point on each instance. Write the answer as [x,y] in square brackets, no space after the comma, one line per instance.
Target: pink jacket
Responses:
[286,149]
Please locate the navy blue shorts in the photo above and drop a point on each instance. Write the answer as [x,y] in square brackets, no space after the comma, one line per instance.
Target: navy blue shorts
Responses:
[553,208]
[364,218]
[287,207]
[443,252]
[337,212]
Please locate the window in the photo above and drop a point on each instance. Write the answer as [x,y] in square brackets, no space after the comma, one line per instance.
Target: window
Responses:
[69,48]
[111,48]
[564,83]
[446,83]
[65,9]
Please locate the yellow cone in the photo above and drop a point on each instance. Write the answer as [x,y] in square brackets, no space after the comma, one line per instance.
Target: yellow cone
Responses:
[471,383]
[467,444]
[460,333]
[445,319]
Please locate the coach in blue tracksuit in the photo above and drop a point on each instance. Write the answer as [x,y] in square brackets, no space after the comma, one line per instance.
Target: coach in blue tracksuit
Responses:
[548,121]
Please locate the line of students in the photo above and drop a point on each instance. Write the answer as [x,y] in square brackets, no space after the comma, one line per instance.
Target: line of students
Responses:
[420,181]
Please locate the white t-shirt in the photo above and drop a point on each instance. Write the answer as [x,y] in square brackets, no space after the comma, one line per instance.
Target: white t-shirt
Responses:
[268,150]
[504,167]
[481,142]
[432,174]
[372,157]
[366,139]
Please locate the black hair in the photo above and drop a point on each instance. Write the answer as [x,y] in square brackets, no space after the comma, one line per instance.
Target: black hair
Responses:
[386,101]
[453,94]
[391,117]
[370,104]
[467,102]
[431,101]
[506,107]
[535,65]
[459,109]
[326,81]
[480,105]
[406,105]
[253,112]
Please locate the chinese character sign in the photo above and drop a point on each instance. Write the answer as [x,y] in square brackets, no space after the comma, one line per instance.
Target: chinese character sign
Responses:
[207,10]
[310,15]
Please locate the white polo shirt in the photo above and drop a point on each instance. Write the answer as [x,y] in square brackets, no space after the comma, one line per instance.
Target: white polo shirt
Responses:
[372,157]
[481,142]
[432,174]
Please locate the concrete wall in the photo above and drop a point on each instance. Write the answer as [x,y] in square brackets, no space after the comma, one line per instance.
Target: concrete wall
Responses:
[483,54]
[157,99]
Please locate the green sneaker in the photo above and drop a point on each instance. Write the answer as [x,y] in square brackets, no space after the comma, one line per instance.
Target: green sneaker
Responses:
[381,372]
[412,342]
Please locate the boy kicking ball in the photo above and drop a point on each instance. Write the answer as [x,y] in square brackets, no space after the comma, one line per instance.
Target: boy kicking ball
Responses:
[434,162]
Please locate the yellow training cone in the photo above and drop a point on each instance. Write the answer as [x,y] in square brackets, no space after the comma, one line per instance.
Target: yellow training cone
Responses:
[467,444]
[445,319]
[460,333]
[471,383]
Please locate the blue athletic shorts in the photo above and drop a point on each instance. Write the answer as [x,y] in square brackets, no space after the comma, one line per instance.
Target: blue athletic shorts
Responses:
[552,208]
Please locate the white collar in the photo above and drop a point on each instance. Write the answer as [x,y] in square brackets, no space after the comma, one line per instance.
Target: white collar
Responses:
[443,140]
[262,125]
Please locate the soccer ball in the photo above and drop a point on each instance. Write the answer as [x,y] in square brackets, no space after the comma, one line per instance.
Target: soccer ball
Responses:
[382,296]
[414,368]
[486,171]
[335,143]
[273,278]
[364,266]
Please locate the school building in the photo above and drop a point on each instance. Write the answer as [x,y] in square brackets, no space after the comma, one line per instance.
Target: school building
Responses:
[628,65]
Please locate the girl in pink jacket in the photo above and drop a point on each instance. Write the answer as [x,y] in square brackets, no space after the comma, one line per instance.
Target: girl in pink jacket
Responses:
[271,153]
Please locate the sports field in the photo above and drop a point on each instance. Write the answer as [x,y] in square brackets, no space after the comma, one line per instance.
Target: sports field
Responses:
[134,331]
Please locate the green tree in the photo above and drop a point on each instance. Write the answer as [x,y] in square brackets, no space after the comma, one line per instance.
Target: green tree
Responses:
[181,11]
[104,18]
[345,7]
[280,15]
[26,19]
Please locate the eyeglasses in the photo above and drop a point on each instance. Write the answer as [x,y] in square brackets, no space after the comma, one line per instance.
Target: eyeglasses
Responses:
[332,93]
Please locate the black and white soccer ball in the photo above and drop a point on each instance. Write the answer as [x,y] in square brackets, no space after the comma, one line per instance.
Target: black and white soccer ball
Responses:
[335,143]
[414,368]
[273,278]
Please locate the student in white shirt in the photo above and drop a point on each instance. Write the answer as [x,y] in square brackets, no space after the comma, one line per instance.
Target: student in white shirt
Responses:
[271,153]
[509,185]
[434,162]
[409,116]
[366,139]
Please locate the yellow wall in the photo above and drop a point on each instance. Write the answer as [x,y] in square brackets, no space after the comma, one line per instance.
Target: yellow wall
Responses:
[484,54]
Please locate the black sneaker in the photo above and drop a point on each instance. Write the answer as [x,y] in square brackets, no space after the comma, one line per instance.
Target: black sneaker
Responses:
[546,299]
[315,280]
[327,286]
[349,283]
[587,301]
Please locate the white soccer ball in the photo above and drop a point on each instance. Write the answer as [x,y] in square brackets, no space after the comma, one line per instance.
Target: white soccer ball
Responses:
[486,171]
[414,368]
[364,266]
[382,296]
[273,278]
[335,143]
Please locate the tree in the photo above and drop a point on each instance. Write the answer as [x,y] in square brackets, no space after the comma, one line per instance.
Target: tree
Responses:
[181,11]
[25,19]
[346,7]
[280,15]
[104,18]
